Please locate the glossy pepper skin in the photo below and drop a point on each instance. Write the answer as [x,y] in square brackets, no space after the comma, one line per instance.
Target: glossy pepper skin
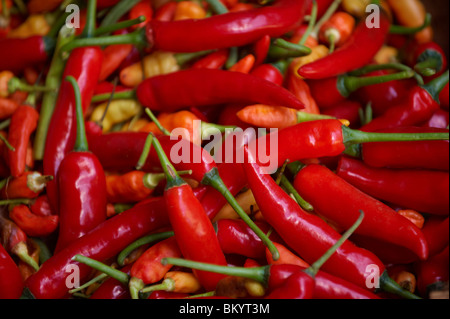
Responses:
[421,190]
[357,52]
[433,155]
[81,185]
[11,282]
[17,57]
[105,241]
[307,234]
[314,182]
[432,273]
[232,29]
[221,87]
[23,123]
[112,288]
[84,65]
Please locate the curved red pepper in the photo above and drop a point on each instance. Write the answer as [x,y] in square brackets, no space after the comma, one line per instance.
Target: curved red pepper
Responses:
[421,154]
[306,234]
[299,285]
[84,65]
[23,123]
[432,272]
[105,241]
[33,225]
[11,282]
[421,190]
[429,56]
[440,119]
[15,55]
[357,52]
[417,108]
[268,72]
[232,29]
[81,186]
[202,87]
[344,201]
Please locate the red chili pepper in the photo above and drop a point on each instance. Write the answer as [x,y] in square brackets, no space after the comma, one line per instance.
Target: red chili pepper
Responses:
[166,12]
[28,185]
[214,60]
[444,97]
[148,267]
[41,206]
[142,8]
[429,59]
[421,190]
[261,49]
[349,110]
[114,55]
[301,89]
[11,282]
[268,72]
[338,89]
[33,225]
[81,186]
[17,57]
[306,234]
[432,155]
[436,230]
[112,288]
[235,237]
[357,52]
[104,242]
[23,123]
[440,119]
[219,31]
[383,96]
[228,116]
[102,4]
[7,107]
[337,30]
[345,201]
[222,87]
[193,230]
[417,108]
[432,273]
[84,64]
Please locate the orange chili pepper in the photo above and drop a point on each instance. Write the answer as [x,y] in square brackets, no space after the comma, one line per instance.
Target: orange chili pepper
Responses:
[287,257]
[412,13]
[244,65]
[176,281]
[5,76]
[39,6]
[267,116]
[33,225]
[301,90]
[131,187]
[143,8]
[7,107]
[189,10]
[415,217]
[170,121]
[149,268]
[338,29]
[28,185]
[241,6]
[311,41]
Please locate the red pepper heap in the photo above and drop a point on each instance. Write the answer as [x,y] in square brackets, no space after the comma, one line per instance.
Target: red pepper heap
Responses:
[88,176]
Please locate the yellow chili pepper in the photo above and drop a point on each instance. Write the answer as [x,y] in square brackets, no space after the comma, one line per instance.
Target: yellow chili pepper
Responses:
[246,200]
[357,8]
[387,54]
[5,76]
[119,111]
[317,53]
[412,13]
[34,25]
[157,63]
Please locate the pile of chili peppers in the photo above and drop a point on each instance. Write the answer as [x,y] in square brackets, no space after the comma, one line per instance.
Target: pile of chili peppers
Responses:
[93,205]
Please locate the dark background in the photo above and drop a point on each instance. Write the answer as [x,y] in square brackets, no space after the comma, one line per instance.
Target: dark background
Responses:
[439,9]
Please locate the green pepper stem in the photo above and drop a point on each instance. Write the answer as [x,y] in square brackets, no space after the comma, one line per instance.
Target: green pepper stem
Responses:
[155,120]
[168,284]
[435,86]
[145,152]
[21,250]
[209,129]
[152,180]
[358,137]
[291,189]
[16,201]
[136,38]
[81,144]
[15,84]
[90,282]
[91,12]
[314,268]
[327,15]
[172,177]
[348,84]
[7,144]
[397,29]
[213,179]
[259,274]
[387,284]
[149,239]
[282,49]
[311,23]
[217,6]
[119,10]
[307,117]
[183,58]
[118,26]
[129,94]
[97,265]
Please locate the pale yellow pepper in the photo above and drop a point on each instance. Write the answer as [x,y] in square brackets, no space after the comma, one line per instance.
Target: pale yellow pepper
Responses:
[119,111]
[34,25]
[157,63]
[317,53]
